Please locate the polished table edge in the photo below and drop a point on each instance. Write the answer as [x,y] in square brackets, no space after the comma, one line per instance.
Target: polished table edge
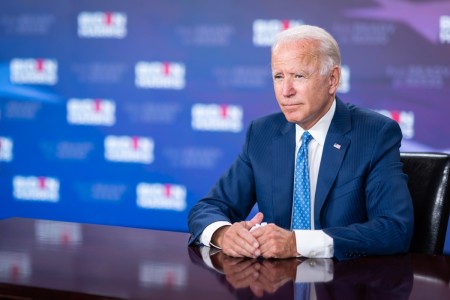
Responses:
[17,291]
[169,251]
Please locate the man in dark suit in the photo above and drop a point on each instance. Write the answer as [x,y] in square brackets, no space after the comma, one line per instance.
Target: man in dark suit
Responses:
[360,204]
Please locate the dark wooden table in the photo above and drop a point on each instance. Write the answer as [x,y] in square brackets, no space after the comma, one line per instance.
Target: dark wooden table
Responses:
[42,259]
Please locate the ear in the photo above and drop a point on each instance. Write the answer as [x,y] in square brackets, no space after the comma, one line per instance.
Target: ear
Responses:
[334,79]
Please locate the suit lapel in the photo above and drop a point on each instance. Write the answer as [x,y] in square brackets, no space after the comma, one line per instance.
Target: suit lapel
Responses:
[336,145]
[283,152]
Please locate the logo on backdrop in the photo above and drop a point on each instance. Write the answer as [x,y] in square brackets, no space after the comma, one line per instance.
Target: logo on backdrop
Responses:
[214,117]
[265,31]
[129,149]
[34,71]
[444,29]
[102,25]
[160,75]
[27,24]
[36,188]
[91,112]
[161,196]
[206,34]
[6,149]
[404,118]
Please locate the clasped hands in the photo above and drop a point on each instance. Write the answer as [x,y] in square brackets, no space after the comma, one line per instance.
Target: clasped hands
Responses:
[260,276]
[270,241]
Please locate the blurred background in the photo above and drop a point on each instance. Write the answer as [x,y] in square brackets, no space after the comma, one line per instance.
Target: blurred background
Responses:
[127,112]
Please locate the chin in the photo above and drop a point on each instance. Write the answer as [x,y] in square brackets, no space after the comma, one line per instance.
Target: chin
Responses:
[292,118]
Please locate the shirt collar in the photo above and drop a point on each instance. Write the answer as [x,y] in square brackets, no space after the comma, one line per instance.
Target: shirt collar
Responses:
[320,129]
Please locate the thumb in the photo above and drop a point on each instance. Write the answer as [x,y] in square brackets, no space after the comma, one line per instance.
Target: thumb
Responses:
[257,219]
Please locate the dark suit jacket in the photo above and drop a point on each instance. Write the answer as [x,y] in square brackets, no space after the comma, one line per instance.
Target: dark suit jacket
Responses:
[362,199]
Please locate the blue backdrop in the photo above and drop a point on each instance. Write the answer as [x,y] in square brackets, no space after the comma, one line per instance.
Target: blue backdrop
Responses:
[126,112]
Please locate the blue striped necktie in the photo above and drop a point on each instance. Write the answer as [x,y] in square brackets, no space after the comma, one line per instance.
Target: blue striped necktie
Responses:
[301,215]
[302,291]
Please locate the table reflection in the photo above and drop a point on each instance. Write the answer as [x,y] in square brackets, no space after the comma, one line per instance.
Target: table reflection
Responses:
[15,266]
[58,233]
[261,277]
[389,277]
[60,260]
[166,274]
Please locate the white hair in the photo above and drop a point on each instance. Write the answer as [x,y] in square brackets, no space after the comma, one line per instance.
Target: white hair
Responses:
[328,47]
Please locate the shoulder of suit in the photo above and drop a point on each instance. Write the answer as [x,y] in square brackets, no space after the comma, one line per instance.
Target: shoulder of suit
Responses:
[366,115]
[271,119]
[272,124]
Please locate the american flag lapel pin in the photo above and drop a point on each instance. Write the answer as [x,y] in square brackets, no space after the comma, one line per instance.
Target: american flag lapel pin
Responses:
[337,146]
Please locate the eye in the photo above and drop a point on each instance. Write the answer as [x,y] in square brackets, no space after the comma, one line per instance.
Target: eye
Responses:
[277,77]
[299,76]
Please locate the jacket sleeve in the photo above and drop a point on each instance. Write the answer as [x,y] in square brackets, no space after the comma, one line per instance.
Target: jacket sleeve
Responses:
[231,198]
[388,203]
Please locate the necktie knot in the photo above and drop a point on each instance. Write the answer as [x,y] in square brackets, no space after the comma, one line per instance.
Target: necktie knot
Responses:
[306,138]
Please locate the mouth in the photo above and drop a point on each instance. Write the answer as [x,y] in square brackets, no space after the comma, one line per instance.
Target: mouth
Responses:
[292,104]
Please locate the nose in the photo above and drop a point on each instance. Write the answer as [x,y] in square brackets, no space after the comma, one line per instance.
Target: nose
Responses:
[288,87]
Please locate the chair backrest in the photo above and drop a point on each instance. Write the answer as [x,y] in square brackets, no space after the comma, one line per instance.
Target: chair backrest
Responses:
[428,182]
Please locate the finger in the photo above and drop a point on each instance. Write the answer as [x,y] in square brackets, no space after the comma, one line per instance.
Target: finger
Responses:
[245,274]
[231,252]
[239,265]
[265,277]
[262,236]
[243,280]
[239,247]
[239,242]
[270,248]
[255,220]
[238,283]
[266,248]
[257,289]
[262,283]
[267,285]
[258,233]
[248,243]
[269,241]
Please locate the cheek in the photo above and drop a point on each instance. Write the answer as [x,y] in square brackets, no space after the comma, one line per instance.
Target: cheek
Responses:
[305,88]
[313,94]
[277,88]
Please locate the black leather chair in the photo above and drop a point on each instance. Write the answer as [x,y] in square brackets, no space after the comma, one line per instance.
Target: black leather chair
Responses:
[428,182]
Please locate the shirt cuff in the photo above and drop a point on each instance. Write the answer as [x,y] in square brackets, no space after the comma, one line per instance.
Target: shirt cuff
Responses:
[314,243]
[205,237]
[315,270]
[206,256]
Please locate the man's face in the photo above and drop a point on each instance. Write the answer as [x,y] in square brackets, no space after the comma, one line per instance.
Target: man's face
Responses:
[303,94]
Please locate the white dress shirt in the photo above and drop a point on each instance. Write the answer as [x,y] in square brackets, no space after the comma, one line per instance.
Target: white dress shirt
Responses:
[310,243]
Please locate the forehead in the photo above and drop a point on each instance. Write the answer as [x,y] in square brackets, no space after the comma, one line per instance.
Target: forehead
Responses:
[295,54]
